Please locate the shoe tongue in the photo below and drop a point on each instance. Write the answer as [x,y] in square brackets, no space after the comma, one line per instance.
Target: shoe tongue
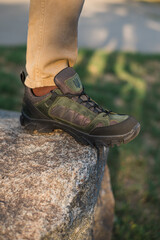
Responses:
[68,81]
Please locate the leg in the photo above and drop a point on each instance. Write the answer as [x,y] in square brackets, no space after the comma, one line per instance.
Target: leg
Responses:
[51,53]
[52,39]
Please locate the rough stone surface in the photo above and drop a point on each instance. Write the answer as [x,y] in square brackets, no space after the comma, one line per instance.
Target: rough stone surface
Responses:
[49,185]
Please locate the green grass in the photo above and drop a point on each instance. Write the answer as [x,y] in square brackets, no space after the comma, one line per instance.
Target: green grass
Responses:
[126,83]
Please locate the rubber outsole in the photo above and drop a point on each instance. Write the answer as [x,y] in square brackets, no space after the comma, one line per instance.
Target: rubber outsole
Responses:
[47,126]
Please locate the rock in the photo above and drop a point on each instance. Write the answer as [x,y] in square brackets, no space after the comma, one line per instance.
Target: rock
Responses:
[104,210]
[49,186]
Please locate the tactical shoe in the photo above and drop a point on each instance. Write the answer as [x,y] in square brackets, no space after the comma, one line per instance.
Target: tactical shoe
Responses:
[69,108]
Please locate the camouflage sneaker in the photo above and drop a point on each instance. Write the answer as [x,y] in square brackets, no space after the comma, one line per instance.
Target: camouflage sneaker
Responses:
[69,108]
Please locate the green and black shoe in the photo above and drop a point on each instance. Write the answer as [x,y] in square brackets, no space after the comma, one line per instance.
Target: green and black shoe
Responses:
[69,108]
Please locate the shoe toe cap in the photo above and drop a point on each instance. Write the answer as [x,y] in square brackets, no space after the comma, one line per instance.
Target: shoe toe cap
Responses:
[116,129]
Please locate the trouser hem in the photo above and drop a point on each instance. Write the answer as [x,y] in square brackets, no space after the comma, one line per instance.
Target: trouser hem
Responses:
[41,83]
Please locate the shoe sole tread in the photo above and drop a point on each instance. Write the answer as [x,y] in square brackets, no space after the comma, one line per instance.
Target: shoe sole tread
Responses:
[47,126]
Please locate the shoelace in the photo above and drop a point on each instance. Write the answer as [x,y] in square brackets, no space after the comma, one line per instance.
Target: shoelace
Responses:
[89,103]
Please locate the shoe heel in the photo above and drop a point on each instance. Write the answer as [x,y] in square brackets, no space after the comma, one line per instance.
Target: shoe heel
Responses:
[35,125]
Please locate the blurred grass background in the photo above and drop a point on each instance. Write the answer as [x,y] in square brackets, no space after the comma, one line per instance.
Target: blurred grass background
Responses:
[126,83]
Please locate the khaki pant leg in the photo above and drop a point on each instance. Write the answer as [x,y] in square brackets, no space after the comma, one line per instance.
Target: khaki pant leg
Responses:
[52,39]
